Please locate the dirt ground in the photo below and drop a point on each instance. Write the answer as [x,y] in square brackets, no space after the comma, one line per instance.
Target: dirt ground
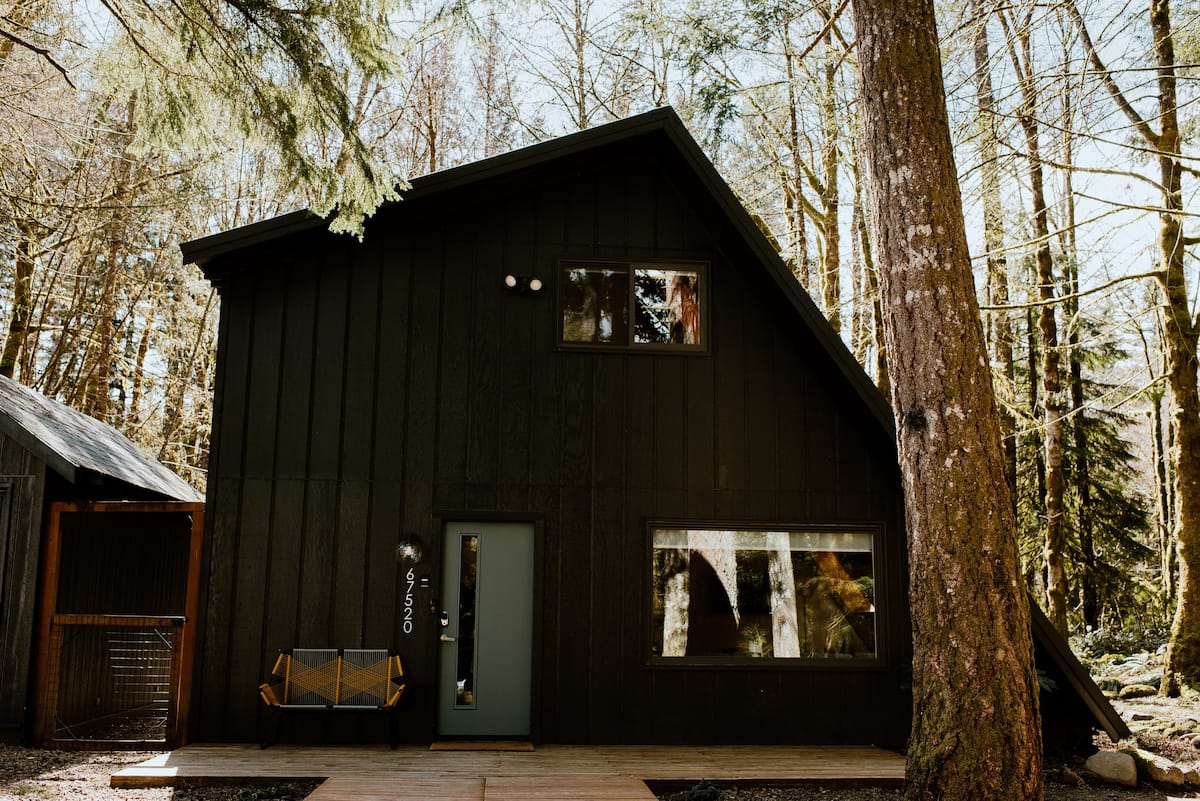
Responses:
[1168,727]
[1055,791]
[39,775]
[32,774]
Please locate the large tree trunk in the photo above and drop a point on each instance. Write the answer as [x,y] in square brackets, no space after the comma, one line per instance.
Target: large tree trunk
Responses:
[1183,651]
[976,729]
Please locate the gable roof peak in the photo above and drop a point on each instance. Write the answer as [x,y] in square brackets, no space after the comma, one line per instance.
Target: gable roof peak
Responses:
[208,253]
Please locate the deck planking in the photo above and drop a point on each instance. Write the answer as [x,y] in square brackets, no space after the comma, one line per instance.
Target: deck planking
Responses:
[392,789]
[550,773]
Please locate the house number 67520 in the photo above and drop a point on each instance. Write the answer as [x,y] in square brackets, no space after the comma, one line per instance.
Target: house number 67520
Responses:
[410,581]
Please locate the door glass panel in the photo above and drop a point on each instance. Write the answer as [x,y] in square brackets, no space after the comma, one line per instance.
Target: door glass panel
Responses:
[468,573]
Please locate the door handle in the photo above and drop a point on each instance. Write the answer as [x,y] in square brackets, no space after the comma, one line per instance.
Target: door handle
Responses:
[446,638]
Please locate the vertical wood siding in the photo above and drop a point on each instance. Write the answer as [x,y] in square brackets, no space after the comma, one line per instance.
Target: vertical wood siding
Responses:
[22,485]
[373,390]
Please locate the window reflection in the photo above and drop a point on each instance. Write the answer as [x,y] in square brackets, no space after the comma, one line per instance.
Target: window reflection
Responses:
[667,306]
[624,304]
[752,594]
[595,304]
[467,585]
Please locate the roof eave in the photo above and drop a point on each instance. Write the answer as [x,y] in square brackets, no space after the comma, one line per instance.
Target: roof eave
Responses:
[878,406]
[54,460]
[206,250]
[1077,675]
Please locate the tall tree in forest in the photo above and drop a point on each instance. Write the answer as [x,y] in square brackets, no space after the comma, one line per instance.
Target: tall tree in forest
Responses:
[1054,545]
[999,324]
[1181,331]
[1080,465]
[797,162]
[494,91]
[577,61]
[831,266]
[429,112]
[976,728]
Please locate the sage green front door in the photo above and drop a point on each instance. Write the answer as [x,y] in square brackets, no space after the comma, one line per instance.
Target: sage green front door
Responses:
[486,646]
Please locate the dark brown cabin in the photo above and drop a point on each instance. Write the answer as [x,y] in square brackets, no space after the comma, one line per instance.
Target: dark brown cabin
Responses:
[97,545]
[654,501]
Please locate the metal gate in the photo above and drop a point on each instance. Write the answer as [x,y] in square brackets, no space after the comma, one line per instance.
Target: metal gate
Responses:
[119,594]
[113,681]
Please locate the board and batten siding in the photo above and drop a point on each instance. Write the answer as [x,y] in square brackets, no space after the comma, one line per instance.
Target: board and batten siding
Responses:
[371,390]
[22,487]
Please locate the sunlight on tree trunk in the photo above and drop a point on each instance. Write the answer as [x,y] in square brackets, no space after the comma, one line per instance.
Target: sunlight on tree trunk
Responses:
[717,549]
[1054,540]
[785,631]
[1081,477]
[675,602]
[976,727]
[831,267]
[999,327]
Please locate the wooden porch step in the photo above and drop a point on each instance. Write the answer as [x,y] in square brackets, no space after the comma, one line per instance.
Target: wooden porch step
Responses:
[503,788]
[551,769]
[566,788]
[399,789]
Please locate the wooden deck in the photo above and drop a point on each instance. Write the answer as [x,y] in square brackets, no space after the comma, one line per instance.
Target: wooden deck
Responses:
[550,773]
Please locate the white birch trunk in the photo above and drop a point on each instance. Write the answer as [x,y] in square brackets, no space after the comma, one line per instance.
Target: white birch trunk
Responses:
[785,633]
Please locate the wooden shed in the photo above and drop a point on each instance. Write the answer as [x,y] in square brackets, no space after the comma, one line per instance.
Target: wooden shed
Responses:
[99,570]
[564,430]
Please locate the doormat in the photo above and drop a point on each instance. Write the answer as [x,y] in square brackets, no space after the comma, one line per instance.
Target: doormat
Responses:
[481,745]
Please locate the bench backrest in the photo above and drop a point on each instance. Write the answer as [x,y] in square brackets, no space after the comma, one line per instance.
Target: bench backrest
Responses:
[345,677]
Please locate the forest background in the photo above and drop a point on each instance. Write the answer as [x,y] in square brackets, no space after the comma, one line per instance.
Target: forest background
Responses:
[129,126]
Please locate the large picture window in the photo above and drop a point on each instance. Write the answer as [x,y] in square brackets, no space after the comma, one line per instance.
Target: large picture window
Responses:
[788,594]
[631,304]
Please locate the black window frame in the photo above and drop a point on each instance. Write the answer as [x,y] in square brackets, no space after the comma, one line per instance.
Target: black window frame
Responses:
[880,660]
[702,270]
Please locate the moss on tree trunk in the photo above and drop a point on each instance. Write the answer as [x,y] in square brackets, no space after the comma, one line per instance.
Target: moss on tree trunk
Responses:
[976,728]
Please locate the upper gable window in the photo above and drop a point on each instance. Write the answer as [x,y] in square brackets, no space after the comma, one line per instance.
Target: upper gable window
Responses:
[632,304]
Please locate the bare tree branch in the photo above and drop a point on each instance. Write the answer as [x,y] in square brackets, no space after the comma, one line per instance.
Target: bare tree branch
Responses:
[1035,304]
[41,51]
[1107,79]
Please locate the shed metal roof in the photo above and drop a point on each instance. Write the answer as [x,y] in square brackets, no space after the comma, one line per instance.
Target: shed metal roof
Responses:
[69,442]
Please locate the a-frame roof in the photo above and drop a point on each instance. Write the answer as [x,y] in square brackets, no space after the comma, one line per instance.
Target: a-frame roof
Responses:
[660,125]
[70,442]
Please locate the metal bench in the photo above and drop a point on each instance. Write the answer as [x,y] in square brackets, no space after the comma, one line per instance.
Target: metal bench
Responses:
[334,679]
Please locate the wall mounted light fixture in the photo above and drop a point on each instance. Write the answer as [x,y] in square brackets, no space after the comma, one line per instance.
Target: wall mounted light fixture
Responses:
[523,283]
[410,550]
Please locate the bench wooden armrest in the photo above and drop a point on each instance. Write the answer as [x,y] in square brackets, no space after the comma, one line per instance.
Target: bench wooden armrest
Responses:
[332,679]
